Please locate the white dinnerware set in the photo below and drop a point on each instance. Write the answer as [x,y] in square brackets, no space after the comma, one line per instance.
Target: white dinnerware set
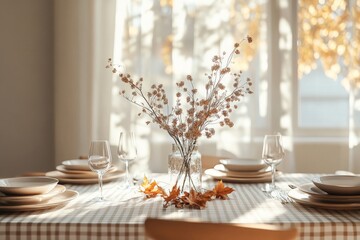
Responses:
[241,171]
[33,193]
[77,171]
[338,192]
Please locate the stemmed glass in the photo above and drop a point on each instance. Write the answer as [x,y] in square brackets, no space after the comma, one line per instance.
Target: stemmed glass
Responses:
[127,152]
[99,161]
[273,153]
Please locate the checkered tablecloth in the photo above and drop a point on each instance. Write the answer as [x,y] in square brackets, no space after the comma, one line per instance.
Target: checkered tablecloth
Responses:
[123,216]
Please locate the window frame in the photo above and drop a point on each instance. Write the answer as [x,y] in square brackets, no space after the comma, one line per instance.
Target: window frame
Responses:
[277,61]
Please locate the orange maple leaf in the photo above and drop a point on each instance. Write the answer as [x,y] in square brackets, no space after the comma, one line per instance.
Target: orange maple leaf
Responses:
[220,191]
[194,199]
[172,197]
[208,195]
[145,182]
[151,189]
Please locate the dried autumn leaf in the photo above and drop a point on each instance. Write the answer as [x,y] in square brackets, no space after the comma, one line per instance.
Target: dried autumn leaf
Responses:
[178,203]
[151,189]
[194,199]
[173,195]
[220,191]
[145,182]
[208,195]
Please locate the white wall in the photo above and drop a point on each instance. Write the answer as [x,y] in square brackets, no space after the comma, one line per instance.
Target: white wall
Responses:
[26,86]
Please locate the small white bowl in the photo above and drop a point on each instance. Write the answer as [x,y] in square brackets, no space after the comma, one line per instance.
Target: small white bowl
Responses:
[27,185]
[77,164]
[31,199]
[244,165]
[339,184]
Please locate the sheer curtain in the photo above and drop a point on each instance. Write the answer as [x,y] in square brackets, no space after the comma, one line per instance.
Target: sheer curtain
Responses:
[84,37]
[163,41]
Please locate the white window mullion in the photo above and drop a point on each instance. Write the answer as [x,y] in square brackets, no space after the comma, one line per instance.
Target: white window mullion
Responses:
[274,67]
[282,72]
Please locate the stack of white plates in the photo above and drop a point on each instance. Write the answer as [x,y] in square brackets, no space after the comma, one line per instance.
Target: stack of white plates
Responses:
[77,171]
[33,193]
[339,192]
[241,170]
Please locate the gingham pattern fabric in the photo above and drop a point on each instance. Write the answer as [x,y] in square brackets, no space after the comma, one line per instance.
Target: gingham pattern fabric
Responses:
[124,215]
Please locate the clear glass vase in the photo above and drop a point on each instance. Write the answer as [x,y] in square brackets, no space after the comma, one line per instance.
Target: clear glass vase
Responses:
[177,170]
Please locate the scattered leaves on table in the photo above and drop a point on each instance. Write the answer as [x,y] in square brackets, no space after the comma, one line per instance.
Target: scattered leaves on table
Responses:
[193,199]
[151,189]
[220,191]
[173,195]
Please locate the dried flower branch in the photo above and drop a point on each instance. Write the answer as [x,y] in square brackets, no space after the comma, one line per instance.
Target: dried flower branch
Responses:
[192,113]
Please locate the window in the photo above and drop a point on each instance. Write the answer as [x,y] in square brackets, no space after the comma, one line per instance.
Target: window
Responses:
[306,49]
[328,62]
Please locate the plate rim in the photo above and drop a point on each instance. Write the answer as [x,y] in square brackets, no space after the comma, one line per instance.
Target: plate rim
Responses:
[243,167]
[248,173]
[12,200]
[336,189]
[41,206]
[326,195]
[30,190]
[83,167]
[61,168]
[111,176]
[239,179]
[238,174]
[326,205]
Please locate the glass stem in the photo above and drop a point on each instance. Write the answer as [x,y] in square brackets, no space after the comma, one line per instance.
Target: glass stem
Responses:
[100,176]
[127,173]
[273,169]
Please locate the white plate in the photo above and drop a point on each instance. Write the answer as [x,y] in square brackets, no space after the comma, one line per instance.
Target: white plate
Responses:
[81,173]
[243,165]
[58,200]
[63,179]
[76,173]
[27,185]
[339,184]
[262,173]
[320,195]
[305,199]
[77,164]
[58,175]
[21,200]
[222,176]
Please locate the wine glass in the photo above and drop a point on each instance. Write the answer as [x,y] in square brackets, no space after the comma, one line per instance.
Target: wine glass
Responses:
[272,154]
[99,161]
[127,152]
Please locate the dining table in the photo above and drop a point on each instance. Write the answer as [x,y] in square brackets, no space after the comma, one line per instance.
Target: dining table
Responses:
[123,215]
